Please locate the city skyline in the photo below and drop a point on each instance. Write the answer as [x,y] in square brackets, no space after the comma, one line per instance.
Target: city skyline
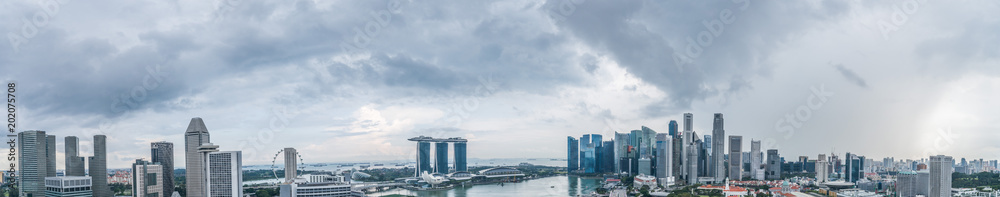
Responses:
[514,78]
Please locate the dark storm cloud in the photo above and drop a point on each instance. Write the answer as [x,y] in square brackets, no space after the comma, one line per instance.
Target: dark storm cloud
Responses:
[851,76]
[643,36]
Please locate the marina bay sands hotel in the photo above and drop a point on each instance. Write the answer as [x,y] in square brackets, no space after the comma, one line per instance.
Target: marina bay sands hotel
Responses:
[441,154]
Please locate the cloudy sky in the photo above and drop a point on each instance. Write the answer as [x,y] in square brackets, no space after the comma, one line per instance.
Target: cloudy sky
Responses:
[352,80]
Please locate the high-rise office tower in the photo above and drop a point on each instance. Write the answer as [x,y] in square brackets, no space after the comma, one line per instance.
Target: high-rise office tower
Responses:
[99,167]
[291,164]
[50,156]
[688,122]
[773,165]
[912,183]
[635,141]
[756,170]
[821,171]
[74,163]
[645,166]
[460,157]
[719,148]
[596,143]
[572,154]
[672,128]
[621,143]
[678,153]
[664,156]
[163,153]
[703,156]
[940,180]
[223,171]
[441,157]
[195,136]
[648,142]
[692,158]
[685,142]
[735,157]
[923,182]
[146,179]
[906,183]
[32,163]
[424,158]
[608,161]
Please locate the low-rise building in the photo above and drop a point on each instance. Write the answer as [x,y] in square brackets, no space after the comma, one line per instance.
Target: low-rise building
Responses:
[68,186]
[324,189]
[643,179]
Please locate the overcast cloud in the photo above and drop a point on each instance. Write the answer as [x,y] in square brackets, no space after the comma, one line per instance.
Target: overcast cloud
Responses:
[352,80]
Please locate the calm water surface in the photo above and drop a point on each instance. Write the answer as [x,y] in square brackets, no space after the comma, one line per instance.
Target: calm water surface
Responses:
[550,186]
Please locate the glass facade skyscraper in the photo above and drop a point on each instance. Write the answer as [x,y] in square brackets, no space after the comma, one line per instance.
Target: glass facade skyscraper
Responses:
[460,158]
[587,154]
[163,153]
[672,128]
[424,158]
[441,157]
[597,143]
[608,160]
[572,153]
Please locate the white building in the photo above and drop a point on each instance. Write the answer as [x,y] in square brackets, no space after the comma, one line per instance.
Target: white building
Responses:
[940,181]
[756,161]
[76,186]
[822,175]
[324,189]
[147,179]
[223,171]
[643,179]
[225,177]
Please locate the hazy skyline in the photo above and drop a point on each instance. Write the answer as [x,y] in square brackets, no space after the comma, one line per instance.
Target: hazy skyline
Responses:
[900,79]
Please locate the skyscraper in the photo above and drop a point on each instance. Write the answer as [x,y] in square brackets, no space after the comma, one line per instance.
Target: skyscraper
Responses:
[773,165]
[688,122]
[672,128]
[460,157]
[940,181]
[718,148]
[692,149]
[147,179]
[291,164]
[597,143]
[608,160]
[572,154]
[98,167]
[821,171]
[50,156]
[648,142]
[911,183]
[223,172]
[735,157]
[441,157]
[74,163]
[163,153]
[424,158]
[195,136]
[756,160]
[32,163]
[621,145]
[664,156]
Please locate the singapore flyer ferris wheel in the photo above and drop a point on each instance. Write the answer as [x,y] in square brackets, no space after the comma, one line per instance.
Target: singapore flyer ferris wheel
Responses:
[274,165]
